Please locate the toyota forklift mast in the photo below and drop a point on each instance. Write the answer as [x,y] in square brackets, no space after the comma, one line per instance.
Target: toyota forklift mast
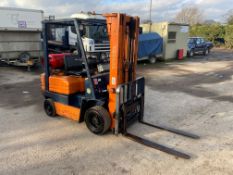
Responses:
[126,92]
[123,35]
[105,98]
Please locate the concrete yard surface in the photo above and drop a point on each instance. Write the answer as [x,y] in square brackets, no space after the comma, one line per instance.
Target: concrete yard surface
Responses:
[194,95]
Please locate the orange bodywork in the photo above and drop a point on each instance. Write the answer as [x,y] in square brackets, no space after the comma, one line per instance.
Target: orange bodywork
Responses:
[123,33]
[70,112]
[64,84]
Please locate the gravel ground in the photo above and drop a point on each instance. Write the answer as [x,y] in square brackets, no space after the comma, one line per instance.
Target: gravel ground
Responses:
[195,95]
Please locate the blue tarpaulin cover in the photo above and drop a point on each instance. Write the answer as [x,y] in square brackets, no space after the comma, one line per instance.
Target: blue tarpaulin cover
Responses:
[149,44]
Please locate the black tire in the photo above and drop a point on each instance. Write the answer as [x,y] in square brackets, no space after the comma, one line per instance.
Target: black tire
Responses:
[49,107]
[24,57]
[152,59]
[191,53]
[97,120]
[206,52]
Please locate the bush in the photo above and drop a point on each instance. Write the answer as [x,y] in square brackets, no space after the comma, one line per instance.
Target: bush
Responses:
[211,32]
[229,36]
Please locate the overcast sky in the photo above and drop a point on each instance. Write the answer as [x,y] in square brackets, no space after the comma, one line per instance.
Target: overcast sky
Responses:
[163,10]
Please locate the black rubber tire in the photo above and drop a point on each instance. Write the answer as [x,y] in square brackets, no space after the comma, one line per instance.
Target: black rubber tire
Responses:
[206,52]
[24,57]
[191,53]
[152,59]
[97,120]
[49,107]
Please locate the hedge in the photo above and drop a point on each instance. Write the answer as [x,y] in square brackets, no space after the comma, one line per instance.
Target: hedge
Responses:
[216,33]
[229,36]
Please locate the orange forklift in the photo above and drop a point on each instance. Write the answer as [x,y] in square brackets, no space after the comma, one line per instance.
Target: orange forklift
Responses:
[100,89]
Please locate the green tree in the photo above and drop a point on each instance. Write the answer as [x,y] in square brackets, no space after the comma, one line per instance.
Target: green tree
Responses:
[229,36]
[208,31]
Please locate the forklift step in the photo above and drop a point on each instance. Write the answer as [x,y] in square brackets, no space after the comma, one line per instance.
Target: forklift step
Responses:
[156,146]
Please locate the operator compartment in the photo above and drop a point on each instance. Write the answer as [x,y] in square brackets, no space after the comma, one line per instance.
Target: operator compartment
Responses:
[64,79]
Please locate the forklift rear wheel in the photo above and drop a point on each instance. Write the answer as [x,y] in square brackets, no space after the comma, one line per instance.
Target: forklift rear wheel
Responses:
[97,120]
[49,107]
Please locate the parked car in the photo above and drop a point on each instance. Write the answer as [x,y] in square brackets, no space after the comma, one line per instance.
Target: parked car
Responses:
[198,45]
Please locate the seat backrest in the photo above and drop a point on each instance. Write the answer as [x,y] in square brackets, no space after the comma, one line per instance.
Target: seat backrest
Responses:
[73,63]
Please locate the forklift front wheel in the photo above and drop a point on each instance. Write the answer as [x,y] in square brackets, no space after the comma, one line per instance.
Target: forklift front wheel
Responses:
[49,107]
[97,120]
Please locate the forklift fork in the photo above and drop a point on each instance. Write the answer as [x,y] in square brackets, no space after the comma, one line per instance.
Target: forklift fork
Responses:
[172,130]
[130,92]
[159,146]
